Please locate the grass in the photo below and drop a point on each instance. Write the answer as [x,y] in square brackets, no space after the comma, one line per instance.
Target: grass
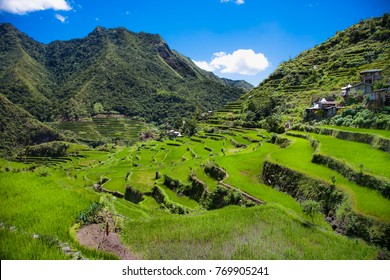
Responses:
[43,200]
[365,201]
[182,200]
[382,133]
[47,206]
[373,161]
[262,232]
[11,243]
[277,230]
[110,127]
[244,173]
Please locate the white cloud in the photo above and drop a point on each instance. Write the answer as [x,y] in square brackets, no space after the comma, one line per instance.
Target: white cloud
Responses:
[60,18]
[204,65]
[22,7]
[244,62]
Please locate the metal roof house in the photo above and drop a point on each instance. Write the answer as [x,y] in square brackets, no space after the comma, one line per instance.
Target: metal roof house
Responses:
[371,76]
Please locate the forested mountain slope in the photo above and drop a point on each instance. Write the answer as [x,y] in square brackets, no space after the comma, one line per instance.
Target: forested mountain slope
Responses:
[136,74]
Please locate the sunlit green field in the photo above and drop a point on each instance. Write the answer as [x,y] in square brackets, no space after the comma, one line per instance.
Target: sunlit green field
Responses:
[382,133]
[365,200]
[360,156]
[46,200]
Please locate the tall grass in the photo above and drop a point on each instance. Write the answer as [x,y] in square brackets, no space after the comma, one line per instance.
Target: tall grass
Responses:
[262,232]
[366,201]
[47,201]
[383,133]
[372,161]
[46,206]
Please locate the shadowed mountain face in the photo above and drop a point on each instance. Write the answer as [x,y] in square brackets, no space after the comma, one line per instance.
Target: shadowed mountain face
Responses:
[136,74]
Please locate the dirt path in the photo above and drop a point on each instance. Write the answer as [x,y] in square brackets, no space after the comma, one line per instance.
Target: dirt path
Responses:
[95,236]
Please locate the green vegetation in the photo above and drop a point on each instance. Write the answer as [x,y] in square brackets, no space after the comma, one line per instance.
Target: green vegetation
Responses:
[69,80]
[366,201]
[173,191]
[235,186]
[360,116]
[263,232]
[374,161]
[320,72]
[48,207]
[19,128]
[103,128]
[382,133]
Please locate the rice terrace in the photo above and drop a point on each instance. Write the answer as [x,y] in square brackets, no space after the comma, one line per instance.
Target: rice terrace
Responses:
[114,146]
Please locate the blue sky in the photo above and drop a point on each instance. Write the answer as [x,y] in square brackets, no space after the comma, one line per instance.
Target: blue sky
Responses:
[237,39]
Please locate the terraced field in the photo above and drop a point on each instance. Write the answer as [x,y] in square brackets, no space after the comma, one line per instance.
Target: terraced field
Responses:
[114,128]
[204,197]
[366,201]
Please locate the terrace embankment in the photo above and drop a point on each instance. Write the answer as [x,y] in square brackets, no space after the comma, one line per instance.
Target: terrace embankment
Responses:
[359,177]
[335,204]
[374,140]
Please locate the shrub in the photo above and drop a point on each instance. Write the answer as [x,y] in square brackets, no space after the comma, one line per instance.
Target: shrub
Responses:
[133,195]
[89,215]
[214,171]
[51,149]
[310,207]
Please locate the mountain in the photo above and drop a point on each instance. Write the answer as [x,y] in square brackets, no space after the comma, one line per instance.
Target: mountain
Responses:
[321,72]
[18,128]
[239,84]
[136,74]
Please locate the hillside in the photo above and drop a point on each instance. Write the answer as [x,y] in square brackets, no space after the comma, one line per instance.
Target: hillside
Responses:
[135,74]
[316,73]
[18,128]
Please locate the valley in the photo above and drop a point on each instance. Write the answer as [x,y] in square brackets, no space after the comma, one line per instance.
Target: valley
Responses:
[218,222]
[117,137]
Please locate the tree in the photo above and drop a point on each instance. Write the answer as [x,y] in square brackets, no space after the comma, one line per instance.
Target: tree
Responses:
[72,109]
[98,108]
[190,127]
[310,207]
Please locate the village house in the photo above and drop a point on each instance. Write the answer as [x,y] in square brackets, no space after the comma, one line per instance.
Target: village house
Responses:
[365,87]
[382,97]
[371,76]
[173,134]
[323,108]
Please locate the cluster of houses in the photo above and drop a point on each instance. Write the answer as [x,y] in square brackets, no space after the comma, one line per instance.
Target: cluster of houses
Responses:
[380,97]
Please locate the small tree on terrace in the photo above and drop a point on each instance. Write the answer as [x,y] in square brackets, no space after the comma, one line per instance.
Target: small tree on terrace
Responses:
[98,108]
[310,207]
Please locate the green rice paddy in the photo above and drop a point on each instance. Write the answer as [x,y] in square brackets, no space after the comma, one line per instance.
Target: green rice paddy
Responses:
[44,199]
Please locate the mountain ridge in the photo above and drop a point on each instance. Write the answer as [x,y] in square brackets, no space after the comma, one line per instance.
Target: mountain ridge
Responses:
[124,71]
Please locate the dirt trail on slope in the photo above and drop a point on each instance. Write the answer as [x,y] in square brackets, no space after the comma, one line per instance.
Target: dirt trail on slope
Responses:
[95,236]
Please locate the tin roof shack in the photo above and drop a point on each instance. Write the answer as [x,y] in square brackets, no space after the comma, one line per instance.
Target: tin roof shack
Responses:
[382,97]
[322,109]
[356,93]
[371,76]
[173,134]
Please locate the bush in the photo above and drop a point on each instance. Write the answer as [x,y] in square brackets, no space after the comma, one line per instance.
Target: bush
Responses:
[214,171]
[89,215]
[133,195]
[51,149]
[310,207]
